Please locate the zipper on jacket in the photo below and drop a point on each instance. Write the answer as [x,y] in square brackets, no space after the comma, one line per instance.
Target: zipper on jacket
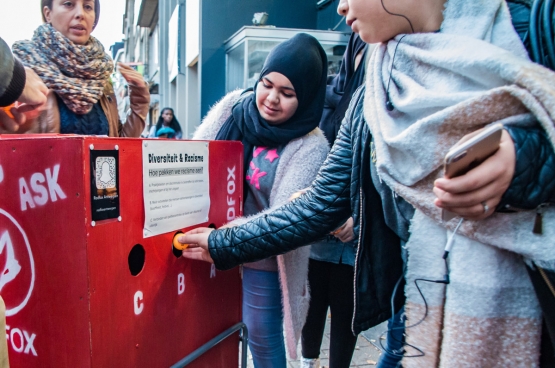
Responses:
[547,281]
[356,263]
[374,159]
[538,222]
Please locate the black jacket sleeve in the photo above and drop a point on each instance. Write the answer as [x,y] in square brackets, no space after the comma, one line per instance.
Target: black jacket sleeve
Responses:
[323,208]
[534,179]
[12,76]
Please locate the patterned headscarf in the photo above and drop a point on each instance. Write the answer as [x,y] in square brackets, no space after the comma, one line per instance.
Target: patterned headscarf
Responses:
[77,73]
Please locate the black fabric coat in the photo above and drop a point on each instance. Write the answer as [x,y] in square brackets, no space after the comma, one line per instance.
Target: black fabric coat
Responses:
[12,76]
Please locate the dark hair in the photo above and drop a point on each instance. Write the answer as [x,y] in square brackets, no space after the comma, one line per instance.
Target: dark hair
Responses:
[48,4]
[174,124]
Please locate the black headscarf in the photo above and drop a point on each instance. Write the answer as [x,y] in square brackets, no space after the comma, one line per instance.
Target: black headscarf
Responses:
[304,62]
[342,87]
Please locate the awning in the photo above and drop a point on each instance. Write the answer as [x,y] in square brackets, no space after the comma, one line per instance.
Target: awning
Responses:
[147,12]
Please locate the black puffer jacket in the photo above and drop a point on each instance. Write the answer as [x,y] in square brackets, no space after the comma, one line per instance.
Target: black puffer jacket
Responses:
[342,188]
[533,183]
[12,76]
[381,217]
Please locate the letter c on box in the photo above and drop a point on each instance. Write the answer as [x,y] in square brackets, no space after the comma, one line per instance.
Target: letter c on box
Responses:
[138,302]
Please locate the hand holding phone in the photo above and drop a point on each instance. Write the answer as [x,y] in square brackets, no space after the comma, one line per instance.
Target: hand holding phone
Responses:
[470,153]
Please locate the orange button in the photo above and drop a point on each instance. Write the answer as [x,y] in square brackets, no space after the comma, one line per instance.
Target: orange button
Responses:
[177,245]
[7,110]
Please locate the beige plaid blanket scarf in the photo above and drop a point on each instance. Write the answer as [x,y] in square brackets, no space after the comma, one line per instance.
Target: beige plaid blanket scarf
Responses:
[444,85]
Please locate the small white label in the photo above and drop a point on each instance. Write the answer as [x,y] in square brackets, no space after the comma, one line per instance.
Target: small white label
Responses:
[176,187]
[180,284]
[138,304]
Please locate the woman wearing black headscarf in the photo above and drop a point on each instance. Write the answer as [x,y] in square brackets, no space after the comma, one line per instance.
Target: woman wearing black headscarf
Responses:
[284,149]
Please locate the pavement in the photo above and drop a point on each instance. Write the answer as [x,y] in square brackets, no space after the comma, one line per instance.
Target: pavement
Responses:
[366,353]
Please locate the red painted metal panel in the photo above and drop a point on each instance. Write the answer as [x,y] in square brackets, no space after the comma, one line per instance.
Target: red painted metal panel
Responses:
[53,227]
[86,308]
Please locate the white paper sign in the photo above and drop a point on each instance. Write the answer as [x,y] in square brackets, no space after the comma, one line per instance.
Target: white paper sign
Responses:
[175,185]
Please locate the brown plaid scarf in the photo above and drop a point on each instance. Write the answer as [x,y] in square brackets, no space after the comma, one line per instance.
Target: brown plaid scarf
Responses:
[77,73]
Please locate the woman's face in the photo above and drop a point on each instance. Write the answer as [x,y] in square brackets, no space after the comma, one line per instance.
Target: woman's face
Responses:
[276,99]
[167,116]
[371,20]
[72,18]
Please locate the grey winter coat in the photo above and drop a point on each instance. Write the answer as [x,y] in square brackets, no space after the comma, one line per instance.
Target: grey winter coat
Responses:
[299,163]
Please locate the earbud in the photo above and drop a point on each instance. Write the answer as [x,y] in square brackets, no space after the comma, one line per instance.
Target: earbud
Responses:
[445,280]
[388,104]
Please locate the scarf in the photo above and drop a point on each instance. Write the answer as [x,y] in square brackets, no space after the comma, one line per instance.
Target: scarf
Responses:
[304,62]
[342,87]
[444,85]
[77,73]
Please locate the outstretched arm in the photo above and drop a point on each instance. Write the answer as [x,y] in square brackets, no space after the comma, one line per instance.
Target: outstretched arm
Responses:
[12,76]
[139,99]
[21,84]
[323,208]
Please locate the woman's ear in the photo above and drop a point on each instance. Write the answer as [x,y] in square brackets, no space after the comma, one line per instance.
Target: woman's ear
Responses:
[46,13]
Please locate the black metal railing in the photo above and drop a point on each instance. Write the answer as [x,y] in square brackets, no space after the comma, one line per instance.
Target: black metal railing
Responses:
[243,336]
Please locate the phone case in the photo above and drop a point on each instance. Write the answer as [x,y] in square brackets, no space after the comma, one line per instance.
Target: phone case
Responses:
[467,155]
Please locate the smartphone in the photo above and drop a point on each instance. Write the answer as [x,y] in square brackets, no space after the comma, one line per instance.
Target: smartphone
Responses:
[466,155]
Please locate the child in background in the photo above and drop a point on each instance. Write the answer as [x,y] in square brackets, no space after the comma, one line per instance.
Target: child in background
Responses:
[165,122]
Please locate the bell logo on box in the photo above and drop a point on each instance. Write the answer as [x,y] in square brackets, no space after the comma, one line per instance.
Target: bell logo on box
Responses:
[17,266]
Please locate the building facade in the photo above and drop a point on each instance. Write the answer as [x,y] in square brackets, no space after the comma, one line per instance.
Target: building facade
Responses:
[180,45]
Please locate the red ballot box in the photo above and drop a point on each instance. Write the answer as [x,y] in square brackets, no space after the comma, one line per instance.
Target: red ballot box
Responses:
[82,285]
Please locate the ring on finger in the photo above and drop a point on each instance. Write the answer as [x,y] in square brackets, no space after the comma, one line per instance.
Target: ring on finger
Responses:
[486,207]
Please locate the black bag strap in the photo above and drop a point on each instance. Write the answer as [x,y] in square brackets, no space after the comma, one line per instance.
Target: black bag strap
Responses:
[544,285]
